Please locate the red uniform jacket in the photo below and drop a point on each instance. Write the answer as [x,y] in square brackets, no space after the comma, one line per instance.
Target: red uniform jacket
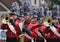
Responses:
[33,32]
[49,33]
[10,34]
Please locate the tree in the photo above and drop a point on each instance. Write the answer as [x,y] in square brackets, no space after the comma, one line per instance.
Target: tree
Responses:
[55,1]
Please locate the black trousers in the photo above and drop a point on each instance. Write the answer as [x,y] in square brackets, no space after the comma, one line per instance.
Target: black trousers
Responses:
[40,41]
[53,40]
[12,40]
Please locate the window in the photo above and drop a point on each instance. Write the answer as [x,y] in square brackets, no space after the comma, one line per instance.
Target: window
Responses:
[35,2]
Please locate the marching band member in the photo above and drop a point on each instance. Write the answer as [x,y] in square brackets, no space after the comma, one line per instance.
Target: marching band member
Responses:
[42,36]
[52,32]
[13,30]
[46,28]
[33,33]
[55,31]
[23,26]
[27,22]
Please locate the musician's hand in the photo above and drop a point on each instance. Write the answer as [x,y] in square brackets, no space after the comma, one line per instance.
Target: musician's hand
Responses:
[28,36]
[39,34]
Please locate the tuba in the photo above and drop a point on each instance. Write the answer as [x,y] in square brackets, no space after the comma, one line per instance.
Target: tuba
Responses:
[5,18]
[47,21]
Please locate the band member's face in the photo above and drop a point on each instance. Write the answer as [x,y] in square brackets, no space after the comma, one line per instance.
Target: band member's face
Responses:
[55,20]
[14,17]
[22,19]
[28,17]
[25,16]
[35,19]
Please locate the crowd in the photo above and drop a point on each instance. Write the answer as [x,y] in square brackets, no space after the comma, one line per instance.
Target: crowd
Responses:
[31,28]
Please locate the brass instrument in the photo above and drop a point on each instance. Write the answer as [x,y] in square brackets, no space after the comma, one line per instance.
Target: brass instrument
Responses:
[22,38]
[48,19]
[5,18]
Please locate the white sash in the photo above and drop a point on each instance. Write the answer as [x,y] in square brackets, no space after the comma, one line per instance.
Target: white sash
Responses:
[53,29]
[11,28]
[21,25]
